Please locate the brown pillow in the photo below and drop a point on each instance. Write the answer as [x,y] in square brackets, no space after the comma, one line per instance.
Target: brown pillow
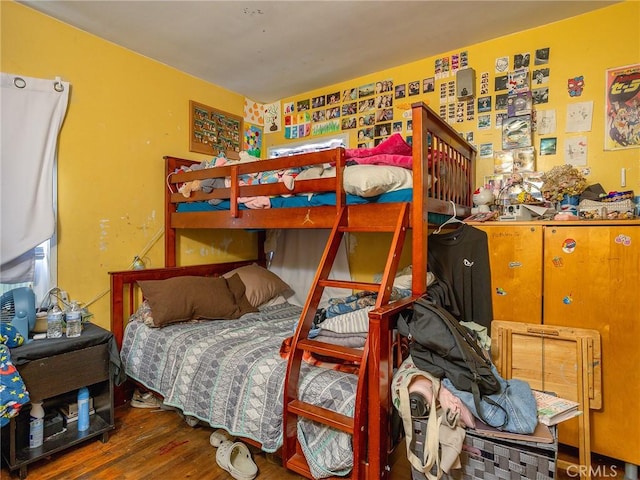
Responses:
[238,289]
[262,285]
[184,298]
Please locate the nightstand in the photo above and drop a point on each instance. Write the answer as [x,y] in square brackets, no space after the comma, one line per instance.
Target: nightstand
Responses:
[53,370]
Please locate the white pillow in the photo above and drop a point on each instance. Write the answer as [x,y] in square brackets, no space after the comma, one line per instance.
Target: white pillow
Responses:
[316,171]
[372,180]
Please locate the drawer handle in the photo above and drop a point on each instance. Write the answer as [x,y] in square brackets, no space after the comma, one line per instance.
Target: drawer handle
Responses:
[540,331]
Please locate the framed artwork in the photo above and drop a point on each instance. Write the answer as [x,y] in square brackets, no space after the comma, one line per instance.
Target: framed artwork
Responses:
[212,131]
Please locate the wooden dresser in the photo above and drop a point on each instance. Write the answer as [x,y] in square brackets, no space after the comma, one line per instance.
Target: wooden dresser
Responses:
[579,274]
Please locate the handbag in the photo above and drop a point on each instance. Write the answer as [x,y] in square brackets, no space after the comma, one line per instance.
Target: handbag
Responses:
[441,346]
[443,437]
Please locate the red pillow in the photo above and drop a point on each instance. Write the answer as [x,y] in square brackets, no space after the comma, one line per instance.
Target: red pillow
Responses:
[394,145]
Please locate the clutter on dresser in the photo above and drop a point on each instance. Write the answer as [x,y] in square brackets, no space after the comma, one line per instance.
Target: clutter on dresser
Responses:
[71,412]
[561,181]
[482,199]
[561,193]
[58,317]
[610,210]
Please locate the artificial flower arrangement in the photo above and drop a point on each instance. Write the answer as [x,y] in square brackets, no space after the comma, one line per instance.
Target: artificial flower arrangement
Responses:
[562,180]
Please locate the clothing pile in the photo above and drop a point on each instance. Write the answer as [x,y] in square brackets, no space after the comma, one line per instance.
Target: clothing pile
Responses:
[13,392]
[456,319]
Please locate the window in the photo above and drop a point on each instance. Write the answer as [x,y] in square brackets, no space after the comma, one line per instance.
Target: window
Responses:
[341,140]
[33,110]
[45,276]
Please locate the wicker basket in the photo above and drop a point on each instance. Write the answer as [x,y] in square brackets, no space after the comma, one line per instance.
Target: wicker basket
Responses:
[489,458]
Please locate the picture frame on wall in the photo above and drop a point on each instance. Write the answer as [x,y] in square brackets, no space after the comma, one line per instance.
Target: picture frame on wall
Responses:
[502,162]
[516,132]
[213,131]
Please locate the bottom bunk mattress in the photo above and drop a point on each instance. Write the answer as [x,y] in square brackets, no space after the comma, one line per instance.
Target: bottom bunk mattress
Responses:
[230,374]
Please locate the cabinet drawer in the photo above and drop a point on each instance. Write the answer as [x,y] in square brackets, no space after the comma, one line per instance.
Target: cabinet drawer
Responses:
[58,374]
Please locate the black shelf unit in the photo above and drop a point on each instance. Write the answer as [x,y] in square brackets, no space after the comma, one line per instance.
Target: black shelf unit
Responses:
[55,379]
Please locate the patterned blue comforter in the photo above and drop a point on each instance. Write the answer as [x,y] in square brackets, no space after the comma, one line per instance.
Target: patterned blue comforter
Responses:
[229,374]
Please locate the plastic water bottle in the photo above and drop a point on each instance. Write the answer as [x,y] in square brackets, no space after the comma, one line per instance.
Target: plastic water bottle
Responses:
[83,409]
[54,322]
[36,425]
[74,320]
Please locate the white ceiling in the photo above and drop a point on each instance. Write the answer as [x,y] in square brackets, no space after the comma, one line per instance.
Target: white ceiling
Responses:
[267,50]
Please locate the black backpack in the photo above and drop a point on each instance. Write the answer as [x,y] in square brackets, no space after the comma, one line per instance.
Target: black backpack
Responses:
[441,346]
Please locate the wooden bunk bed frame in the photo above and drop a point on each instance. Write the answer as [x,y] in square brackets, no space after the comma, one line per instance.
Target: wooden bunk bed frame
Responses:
[439,152]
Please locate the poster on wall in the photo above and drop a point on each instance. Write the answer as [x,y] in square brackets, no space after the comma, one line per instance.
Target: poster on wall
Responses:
[252,140]
[516,132]
[253,112]
[622,108]
[298,125]
[272,114]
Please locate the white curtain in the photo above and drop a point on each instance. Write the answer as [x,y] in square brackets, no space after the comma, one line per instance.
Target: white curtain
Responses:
[33,110]
[296,259]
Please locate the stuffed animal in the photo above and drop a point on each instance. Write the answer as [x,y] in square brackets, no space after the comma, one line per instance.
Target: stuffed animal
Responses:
[187,187]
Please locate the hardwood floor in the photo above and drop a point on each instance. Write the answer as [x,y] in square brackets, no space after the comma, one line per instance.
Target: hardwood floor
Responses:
[158,444]
[146,445]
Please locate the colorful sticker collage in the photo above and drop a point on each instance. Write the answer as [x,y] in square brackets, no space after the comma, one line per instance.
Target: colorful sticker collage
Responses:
[520,83]
[368,108]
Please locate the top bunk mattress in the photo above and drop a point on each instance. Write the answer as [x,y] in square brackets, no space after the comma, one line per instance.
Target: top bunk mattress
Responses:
[311,200]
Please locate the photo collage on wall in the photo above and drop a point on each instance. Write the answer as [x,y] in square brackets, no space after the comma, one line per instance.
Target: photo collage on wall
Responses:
[368,109]
[520,83]
[451,109]
[516,91]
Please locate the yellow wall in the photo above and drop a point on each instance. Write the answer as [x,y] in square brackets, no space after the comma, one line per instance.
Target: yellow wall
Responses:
[125,112]
[584,45]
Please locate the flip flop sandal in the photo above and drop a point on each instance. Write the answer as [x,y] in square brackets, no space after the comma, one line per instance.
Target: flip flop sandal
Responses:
[235,458]
[220,436]
[191,421]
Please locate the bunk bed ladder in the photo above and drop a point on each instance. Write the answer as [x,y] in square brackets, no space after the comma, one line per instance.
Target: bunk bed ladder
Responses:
[294,407]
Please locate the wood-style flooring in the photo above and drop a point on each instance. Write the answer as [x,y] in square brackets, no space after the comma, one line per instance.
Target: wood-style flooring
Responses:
[158,444]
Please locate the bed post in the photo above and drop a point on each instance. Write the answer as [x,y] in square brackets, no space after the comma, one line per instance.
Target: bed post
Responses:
[169,209]
[419,212]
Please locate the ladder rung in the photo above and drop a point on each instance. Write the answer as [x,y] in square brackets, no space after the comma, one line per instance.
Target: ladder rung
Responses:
[368,229]
[321,415]
[330,350]
[350,284]
[298,463]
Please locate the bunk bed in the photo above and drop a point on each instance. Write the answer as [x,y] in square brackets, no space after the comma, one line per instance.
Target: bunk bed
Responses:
[442,168]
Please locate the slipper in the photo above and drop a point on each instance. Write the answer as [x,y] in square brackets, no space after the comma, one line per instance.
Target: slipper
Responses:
[235,458]
[220,436]
[191,421]
[145,400]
